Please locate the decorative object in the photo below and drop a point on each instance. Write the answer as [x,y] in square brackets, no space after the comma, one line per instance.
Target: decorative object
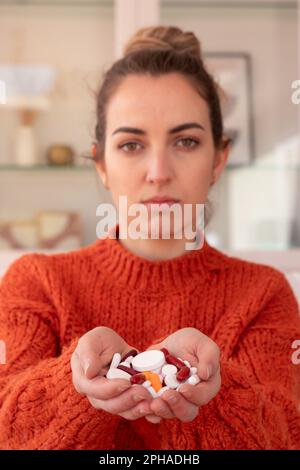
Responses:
[27,88]
[232,71]
[60,155]
[49,229]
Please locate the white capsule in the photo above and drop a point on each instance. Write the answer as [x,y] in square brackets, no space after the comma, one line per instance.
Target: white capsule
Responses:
[115,360]
[152,391]
[193,380]
[171,381]
[148,360]
[194,370]
[114,373]
[162,390]
[146,384]
[128,360]
[168,369]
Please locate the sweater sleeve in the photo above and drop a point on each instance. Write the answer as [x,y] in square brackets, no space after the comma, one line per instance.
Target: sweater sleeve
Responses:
[257,406]
[39,406]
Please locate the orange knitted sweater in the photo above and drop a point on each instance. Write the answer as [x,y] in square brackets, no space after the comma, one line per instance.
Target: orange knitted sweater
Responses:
[47,302]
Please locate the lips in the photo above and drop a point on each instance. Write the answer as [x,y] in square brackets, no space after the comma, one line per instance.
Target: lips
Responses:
[161,200]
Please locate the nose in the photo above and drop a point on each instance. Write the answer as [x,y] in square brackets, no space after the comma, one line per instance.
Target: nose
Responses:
[158,168]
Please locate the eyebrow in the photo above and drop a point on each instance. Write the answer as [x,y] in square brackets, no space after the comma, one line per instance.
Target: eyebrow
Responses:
[182,127]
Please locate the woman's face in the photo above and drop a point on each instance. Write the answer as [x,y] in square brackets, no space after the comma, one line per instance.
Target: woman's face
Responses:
[153,158]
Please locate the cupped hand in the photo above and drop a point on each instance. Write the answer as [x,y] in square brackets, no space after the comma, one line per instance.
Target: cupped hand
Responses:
[90,362]
[201,352]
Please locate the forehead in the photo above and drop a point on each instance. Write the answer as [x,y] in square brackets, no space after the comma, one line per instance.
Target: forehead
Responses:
[142,99]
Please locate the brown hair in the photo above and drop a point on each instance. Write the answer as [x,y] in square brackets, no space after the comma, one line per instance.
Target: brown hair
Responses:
[158,50]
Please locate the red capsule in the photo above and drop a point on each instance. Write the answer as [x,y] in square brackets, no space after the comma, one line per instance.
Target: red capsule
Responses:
[138,379]
[183,374]
[129,370]
[176,362]
[132,352]
[165,351]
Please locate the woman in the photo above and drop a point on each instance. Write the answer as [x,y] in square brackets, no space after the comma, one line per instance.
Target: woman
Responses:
[159,133]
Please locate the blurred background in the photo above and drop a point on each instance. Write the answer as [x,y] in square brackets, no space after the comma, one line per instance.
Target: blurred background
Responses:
[52,56]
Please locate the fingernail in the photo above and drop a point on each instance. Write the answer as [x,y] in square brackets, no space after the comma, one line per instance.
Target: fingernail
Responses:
[209,371]
[144,410]
[138,397]
[173,399]
[187,393]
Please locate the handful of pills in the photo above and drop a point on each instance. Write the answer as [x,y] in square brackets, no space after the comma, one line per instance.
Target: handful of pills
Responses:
[157,370]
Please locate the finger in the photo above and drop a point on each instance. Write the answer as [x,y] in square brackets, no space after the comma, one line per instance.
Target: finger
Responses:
[139,411]
[124,402]
[161,408]
[153,419]
[208,354]
[182,409]
[203,392]
[89,360]
[99,387]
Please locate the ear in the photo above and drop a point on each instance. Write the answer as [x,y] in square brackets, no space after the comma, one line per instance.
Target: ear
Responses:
[220,160]
[100,167]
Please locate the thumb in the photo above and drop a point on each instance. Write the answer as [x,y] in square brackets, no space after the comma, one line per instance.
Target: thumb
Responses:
[92,365]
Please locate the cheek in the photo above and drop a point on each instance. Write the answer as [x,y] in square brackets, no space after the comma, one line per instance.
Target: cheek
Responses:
[197,183]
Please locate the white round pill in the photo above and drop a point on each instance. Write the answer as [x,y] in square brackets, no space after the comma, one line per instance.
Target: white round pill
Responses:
[115,360]
[193,380]
[114,373]
[171,381]
[148,360]
[194,370]
[169,369]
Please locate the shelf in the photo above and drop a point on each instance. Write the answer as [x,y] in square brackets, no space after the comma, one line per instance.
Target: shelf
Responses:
[244,4]
[8,167]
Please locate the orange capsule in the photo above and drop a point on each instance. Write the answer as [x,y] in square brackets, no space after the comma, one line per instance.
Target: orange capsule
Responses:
[154,379]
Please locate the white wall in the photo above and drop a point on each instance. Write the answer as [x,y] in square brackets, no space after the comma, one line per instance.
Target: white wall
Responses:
[79,42]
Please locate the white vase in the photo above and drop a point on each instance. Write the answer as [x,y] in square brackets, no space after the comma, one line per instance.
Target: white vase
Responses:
[26,151]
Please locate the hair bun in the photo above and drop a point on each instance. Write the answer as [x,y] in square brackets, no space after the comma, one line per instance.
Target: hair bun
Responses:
[164,38]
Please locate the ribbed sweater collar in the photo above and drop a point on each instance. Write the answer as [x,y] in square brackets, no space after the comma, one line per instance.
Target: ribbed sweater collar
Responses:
[135,272]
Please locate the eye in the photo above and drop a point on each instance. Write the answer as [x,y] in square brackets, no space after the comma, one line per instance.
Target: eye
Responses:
[128,144]
[194,142]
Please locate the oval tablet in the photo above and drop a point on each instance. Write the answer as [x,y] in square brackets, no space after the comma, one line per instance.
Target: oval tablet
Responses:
[193,380]
[169,369]
[148,360]
[171,381]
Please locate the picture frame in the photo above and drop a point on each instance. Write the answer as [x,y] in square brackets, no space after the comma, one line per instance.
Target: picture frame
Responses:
[233,72]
